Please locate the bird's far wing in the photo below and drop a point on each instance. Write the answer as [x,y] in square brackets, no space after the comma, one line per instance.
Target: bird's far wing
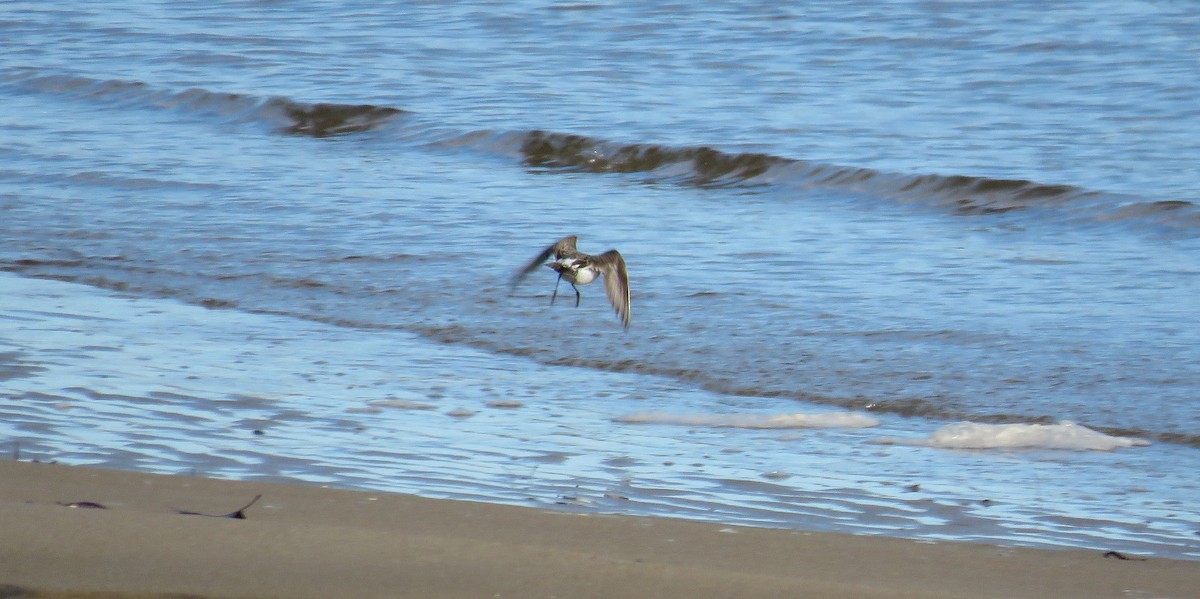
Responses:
[563,248]
[616,283]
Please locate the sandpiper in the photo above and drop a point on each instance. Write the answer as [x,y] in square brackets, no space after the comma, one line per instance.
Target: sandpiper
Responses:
[579,268]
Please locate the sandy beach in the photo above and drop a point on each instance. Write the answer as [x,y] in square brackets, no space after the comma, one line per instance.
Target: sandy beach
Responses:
[304,541]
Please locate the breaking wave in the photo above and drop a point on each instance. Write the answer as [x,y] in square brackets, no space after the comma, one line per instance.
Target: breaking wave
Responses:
[701,166]
[958,194]
[285,115]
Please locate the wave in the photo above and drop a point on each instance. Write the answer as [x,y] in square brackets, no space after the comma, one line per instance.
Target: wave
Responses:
[700,166]
[959,194]
[283,114]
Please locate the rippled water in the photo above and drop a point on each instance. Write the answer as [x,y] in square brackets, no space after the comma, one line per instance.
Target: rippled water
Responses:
[921,212]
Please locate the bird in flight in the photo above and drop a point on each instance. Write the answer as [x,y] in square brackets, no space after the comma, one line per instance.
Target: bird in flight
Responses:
[579,268]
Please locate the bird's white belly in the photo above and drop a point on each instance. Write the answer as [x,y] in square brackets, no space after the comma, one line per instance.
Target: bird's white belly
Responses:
[584,276]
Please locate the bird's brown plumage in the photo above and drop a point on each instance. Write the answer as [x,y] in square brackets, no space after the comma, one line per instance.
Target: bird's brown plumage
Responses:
[610,265]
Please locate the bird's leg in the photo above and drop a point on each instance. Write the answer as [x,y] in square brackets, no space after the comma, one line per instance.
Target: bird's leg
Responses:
[556,289]
[576,294]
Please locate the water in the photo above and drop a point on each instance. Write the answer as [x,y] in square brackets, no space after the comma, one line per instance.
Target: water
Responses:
[300,219]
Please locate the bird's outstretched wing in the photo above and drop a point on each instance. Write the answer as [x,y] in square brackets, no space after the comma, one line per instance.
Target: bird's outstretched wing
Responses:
[616,282]
[563,248]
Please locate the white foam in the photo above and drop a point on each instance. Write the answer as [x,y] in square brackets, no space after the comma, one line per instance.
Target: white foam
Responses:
[1064,435]
[778,421]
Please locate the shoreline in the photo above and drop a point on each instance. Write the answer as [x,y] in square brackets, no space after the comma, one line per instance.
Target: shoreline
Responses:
[303,541]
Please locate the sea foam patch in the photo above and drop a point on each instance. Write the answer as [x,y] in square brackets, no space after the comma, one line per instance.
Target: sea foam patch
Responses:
[778,421]
[1064,435]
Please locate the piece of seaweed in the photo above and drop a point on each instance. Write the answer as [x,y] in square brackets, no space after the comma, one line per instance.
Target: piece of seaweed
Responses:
[238,514]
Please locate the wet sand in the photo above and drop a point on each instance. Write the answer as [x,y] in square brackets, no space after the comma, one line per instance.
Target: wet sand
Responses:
[304,541]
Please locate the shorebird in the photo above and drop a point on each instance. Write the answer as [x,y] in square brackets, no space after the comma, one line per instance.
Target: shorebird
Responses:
[579,268]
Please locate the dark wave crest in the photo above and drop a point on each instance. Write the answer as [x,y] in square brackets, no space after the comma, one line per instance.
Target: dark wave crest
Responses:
[701,166]
[556,150]
[323,120]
